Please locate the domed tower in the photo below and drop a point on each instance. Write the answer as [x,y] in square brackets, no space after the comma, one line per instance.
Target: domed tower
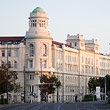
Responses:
[38,50]
[38,24]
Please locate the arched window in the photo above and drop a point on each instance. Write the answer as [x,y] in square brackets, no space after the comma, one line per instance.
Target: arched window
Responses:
[9,64]
[15,64]
[2,64]
[32,50]
[44,50]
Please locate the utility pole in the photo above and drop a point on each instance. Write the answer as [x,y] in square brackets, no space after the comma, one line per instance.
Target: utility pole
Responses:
[41,79]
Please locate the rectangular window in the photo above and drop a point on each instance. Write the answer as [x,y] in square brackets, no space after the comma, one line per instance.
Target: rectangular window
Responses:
[31,63]
[3,52]
[9,52]
[29,88]
[16,53]
[45,64]
[32,88]
[31,77]
[15,64]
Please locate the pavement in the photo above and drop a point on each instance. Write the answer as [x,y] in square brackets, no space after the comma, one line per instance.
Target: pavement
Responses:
[60,106]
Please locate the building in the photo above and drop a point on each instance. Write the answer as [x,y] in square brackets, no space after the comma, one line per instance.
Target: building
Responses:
[73,62]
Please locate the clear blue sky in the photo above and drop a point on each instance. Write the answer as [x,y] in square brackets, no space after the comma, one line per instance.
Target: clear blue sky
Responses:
[88,17]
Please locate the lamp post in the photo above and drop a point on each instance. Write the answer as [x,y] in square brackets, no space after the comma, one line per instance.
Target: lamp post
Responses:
[25,80]
[7,75]
[105,87]
[24,84]
[63,88]
[41,79]
[57,87]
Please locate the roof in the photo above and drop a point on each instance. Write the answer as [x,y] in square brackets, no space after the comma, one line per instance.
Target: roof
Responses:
[38,9]
[10,38]
[59,43]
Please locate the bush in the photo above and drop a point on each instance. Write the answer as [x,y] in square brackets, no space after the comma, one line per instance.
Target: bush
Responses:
[109,101]
[3,101]
[89,97]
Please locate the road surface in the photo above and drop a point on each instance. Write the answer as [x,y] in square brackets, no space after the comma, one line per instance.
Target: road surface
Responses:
[60,106]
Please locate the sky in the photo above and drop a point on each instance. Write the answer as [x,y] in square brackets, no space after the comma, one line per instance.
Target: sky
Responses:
[90,18]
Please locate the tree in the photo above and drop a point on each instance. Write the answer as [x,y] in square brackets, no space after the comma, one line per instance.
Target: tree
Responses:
[7,79]
[93,82]
[50,83]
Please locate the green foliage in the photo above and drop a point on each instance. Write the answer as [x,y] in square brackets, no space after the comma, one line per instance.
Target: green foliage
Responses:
[108,83]
[3,101]
[93,82]
[89,97]
[109,101]
[7,80]
[50,83]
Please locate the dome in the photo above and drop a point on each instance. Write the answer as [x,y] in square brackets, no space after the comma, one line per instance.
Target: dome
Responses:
[38,9]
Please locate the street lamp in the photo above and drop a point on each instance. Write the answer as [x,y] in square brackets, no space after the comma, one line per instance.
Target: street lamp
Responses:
[63,88]
[105,87]
[41,79]
[7,75]
[7,72]
[57,87]
[25,80]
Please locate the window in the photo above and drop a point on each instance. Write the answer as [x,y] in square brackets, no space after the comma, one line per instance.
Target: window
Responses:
[16,53]
[31,77]
[70,44]
[85,60]
[15,64]
[31,64]
[31,50]
[29,88]
[33,23]
[2,64]
[92,70]
[45,64]
[44,50]
[82,44]
[9,64]
[2,42]
[32,88]
[3,52]
[9,52]
[75,44]
[82,69]
[82,59]
[96,62]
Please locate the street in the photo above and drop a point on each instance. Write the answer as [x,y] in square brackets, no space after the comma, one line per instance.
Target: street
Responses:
[60,106]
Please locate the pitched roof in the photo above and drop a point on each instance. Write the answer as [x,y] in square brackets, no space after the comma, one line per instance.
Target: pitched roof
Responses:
[59,43]
[9,38]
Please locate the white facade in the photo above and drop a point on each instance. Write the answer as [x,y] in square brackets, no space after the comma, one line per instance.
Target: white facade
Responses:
[73,63]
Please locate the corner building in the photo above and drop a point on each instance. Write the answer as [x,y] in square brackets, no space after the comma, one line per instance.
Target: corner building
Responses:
[73,62]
